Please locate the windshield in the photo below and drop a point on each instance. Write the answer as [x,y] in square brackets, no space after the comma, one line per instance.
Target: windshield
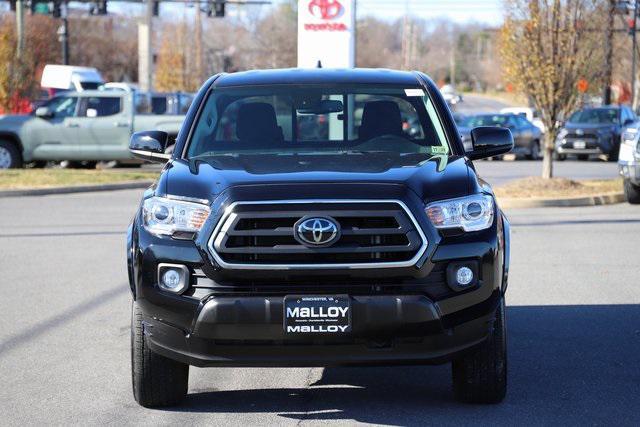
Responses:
[318,120]
[462,120]
[489,120]
[595,116]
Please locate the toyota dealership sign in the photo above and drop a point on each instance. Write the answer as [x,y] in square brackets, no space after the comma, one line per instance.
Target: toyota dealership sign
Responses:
[326,33]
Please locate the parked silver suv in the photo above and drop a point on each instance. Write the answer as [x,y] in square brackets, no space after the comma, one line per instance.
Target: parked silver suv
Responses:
[629,163]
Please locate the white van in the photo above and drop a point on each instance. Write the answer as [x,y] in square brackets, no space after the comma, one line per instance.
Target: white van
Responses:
[68,77]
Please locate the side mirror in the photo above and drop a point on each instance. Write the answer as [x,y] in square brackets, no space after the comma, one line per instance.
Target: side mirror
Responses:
[149,145]
[490,141]
[628,122]
[44,113]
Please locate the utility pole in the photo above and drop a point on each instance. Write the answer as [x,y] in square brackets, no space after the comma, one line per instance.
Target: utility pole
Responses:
[406,37]
[145,60]
[19,28]
[608,53]
[414,46]
[199,72]
[634,55]
[63,33]
[452,61]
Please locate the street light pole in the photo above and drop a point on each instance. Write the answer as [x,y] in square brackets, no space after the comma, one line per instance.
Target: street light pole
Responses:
[19,27]
[63,33]
[633,55]
[145,59]
[608,53]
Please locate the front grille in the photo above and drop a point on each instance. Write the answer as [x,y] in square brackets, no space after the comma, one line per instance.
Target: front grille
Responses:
[373,234]
[584,137]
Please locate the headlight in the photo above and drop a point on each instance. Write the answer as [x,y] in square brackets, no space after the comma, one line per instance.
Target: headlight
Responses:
[470,213]
[629,136]
[561,134]
[167,216]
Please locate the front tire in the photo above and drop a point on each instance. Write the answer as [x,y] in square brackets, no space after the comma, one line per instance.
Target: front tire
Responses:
[631,192]
[481,376]
[534,151]
[613,155]
[157,380]
[559,157]
[10,157]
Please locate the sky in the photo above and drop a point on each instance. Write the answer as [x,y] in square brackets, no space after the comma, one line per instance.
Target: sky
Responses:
[483,11]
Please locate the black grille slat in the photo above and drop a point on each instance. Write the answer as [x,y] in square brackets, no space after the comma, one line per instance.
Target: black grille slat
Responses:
[370,232]
[433,285]
[585,136]
[299,249]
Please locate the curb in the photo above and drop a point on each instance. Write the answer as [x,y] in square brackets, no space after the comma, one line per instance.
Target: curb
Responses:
[127,185]
[598,199]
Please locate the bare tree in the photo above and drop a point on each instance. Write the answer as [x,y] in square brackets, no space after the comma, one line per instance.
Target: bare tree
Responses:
[546,50]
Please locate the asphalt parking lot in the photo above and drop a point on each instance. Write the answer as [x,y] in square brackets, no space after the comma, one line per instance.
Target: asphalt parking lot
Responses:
[573,319]
[501,172]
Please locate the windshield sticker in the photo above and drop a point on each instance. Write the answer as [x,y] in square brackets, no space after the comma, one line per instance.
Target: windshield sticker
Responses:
[437,149]
[414,92]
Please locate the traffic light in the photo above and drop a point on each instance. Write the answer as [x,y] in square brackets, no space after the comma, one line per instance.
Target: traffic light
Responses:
[219,8]
[98,7]
[40,7]
[216,8]
[57,10]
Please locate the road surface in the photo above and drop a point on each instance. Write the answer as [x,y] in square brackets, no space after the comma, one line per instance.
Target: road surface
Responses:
[573,319]
[474,104]
[501,172]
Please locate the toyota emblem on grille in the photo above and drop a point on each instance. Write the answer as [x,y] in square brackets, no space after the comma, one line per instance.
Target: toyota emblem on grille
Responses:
[316,231]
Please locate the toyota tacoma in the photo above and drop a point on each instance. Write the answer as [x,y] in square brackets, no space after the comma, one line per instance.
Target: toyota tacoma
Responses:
[300,222]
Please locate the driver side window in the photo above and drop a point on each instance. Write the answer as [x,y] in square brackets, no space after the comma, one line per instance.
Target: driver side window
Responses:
[63,107]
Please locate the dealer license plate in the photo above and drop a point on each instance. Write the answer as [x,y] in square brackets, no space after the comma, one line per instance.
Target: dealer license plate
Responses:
[317,314]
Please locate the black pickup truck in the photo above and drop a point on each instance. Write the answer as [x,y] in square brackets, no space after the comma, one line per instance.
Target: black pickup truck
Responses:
[314,218]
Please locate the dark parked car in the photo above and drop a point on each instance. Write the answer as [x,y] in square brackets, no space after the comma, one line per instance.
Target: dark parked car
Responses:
[527,137]
[463,123]
[594,132]
[264,243]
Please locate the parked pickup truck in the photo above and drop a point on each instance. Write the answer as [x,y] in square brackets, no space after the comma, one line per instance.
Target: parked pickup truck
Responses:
[78,126]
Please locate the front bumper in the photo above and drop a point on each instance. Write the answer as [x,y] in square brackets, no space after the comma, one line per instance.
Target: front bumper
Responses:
[630,170]
[592,147]
[399,316]
[576,151]
[402,329]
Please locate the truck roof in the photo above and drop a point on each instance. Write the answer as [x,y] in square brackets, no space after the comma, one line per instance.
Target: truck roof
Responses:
[318,76]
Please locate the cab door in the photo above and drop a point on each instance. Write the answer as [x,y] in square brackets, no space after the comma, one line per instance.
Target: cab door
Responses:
[103,129]
[110,125]
[51,135]
[516,130]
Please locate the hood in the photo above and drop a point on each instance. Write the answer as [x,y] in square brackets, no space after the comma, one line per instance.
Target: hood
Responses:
[436,178]
[590,127]
[13,122]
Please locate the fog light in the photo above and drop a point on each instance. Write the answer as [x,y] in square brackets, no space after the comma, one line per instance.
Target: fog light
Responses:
[464,276]
[173,277]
